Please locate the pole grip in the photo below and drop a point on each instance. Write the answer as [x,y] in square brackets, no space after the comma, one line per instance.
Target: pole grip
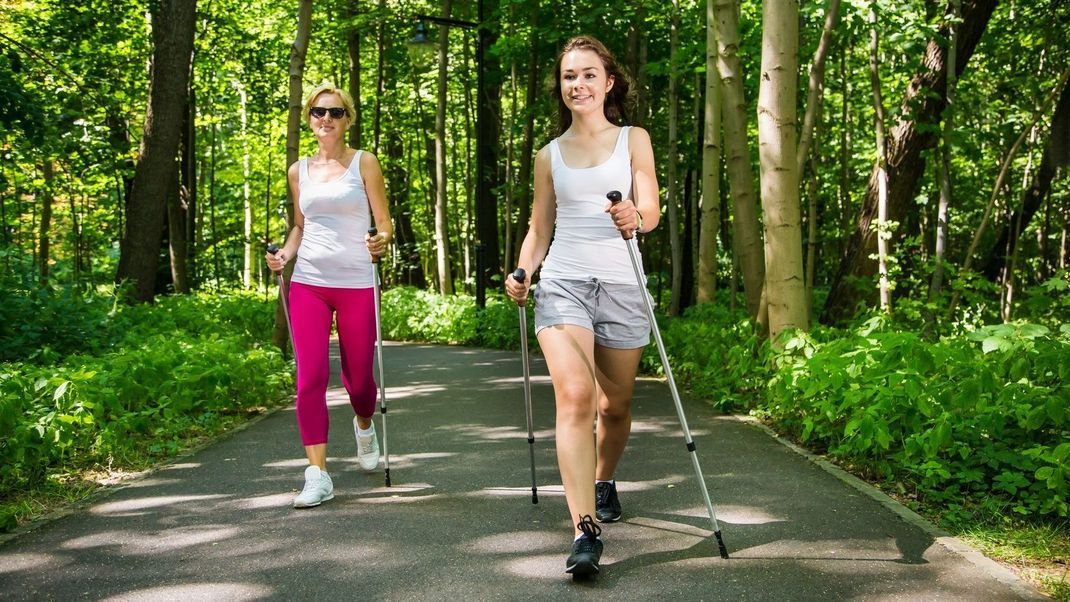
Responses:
[614,197]
[519,275]
[272,248]
[372,232]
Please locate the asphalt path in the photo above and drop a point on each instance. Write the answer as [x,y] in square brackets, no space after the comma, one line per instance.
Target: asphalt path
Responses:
[458,522]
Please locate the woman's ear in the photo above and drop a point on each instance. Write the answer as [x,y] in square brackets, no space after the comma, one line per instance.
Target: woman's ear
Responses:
[609,83]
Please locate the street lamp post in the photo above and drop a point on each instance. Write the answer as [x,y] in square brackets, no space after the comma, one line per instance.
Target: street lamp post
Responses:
[484,202]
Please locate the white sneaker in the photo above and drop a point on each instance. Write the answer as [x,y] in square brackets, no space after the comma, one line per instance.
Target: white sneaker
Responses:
[367,448]
[318,488]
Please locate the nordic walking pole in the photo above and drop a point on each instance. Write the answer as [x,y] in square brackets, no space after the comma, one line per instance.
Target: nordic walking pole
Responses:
[629,241]
[274,249]
[379,351]
[519,275]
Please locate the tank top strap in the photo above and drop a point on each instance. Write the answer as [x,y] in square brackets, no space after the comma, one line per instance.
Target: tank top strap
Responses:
[622,142]
[354,166]
[555,155]
[302,171]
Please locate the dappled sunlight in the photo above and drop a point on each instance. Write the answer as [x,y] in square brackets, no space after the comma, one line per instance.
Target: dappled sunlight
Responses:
[670,526]
[198,591]
[14,563]
[548,567]
[669,481]
[291,463]
[277,500]
[822,550]
[397,489]
[547,491]
[398,499]
[404,392]
[516,542]
[145,503]
[734,514]
[648,426]
[155,542]
[517,381]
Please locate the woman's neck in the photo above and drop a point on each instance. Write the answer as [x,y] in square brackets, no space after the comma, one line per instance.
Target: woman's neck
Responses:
[589,124]
[336,152]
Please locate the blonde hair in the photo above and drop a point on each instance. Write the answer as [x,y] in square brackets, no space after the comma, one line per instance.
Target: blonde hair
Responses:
[347,100]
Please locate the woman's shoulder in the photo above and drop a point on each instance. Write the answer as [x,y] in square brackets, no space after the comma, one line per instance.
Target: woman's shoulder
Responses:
[637,133]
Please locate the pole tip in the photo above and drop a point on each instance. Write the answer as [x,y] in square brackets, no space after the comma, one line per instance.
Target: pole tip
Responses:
[720,545]
[534,496]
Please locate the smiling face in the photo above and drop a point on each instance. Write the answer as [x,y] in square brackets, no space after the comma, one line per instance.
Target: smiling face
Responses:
[584,83]
[327,128]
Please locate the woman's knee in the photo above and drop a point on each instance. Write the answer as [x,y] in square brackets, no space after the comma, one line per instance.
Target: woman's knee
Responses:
[614,409]
[575,402]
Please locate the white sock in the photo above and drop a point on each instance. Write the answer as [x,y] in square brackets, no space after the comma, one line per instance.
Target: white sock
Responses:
[611,481]
[365,432]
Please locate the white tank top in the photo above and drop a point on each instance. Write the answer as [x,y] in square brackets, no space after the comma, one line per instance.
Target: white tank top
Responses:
[586,243]
[337,216]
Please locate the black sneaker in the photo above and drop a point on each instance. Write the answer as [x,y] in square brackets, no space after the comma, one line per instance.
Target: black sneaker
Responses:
[606,502]
[586,551]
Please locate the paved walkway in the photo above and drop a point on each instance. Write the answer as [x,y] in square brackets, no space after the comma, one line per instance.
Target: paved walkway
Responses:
[458,524]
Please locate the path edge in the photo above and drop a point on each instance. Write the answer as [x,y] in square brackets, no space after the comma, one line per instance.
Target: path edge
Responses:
[953,544]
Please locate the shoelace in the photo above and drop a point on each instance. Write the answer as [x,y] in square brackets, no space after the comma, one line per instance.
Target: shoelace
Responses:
[602,494]
[366,444]
[311,485]
[588,527]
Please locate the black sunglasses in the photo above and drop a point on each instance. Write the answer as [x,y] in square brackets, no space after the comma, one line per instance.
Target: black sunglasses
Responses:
[319,112]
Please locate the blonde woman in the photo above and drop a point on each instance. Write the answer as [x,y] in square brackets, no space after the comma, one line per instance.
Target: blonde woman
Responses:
[339,193]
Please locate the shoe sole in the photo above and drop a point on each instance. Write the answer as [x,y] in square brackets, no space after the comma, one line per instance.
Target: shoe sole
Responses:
[366,469]
[611,519]
[326,499]
[582,569]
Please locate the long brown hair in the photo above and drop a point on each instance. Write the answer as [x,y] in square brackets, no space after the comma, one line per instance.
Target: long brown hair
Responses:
[619,99]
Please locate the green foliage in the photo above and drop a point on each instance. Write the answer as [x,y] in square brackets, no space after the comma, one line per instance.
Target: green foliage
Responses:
[978,421]
[145,380]
[411,314]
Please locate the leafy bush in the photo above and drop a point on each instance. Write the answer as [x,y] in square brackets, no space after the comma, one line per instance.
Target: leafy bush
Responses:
[411,314]
[981,420]
[146,379]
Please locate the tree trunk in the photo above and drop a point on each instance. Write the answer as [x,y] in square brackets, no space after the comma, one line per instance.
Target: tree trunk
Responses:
[710,204]
[176,237]
[247,204]
[488,152]
[1035,194]
[188,168]
[442,240]
[672,201]
[139,251]
[43,240]
[883,231]
[922,105]
[380,74]
[817,81]
[943,166]
[527,151]
[353,47]
[785,292]
[293,140]
[747,238]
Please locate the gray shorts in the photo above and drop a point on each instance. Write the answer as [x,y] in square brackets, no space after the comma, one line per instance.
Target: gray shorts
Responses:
[613,312]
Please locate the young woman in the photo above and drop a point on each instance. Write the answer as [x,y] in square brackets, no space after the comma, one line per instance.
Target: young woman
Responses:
[589,315]
[338,194]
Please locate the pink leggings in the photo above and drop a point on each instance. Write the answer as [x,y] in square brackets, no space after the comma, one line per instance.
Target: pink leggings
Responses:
[310,314]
